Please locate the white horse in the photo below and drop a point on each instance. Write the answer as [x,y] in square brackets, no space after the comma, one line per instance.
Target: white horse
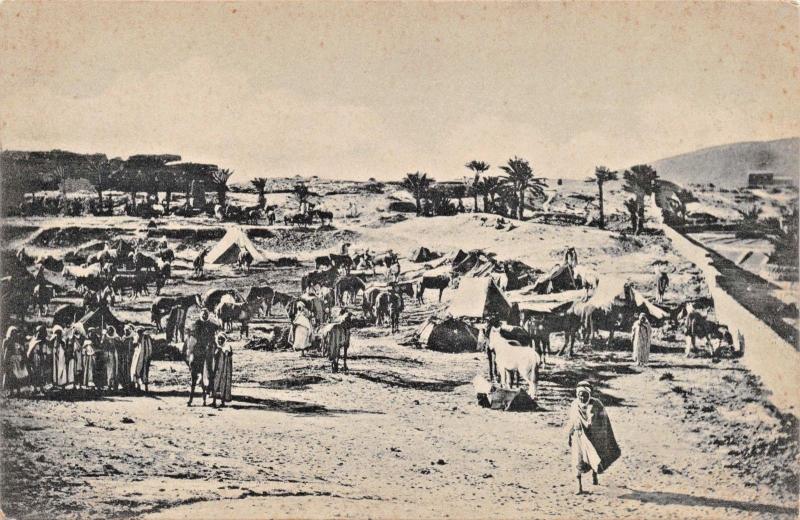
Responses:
[510,356]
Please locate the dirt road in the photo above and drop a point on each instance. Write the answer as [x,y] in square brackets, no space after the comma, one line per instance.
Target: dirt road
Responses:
[401,435]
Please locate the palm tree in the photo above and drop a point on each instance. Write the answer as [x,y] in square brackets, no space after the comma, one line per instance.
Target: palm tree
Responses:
[220,181]
[478,167]
[101,171]
[490,186]
[520,173]
[641,181]
[260,184]
[631,206]
[61,175]
[603,175]
[417,184]
[302,193]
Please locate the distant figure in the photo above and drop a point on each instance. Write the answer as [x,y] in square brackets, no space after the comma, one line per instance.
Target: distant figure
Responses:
[641,334]
[571,257]
[661,284]
[594,447]
[15,371]
[223,371]
[301,332]
[40,360]
[140,360]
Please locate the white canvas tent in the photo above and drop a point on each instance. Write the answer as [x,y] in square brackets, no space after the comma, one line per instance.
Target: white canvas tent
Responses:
[227,249]
[478,298]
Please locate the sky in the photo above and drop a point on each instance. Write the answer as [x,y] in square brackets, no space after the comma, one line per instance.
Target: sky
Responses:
[360,90]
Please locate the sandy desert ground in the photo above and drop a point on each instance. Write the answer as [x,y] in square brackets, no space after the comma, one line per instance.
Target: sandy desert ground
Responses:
[401,434]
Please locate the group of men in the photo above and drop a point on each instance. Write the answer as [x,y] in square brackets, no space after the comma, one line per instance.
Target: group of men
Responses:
[96,358]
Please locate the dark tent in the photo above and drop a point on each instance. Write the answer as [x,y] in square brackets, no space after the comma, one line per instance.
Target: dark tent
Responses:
[459,257]
[559,279]
[422,254]
[100,319]
[450,335]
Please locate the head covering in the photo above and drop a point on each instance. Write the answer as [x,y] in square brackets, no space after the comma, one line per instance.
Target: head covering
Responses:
[12,330]
[111,331]
[584,386]
[57,330]
[642,316]
[221,337]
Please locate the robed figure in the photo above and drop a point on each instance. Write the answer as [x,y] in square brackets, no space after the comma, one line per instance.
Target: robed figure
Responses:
[594,447]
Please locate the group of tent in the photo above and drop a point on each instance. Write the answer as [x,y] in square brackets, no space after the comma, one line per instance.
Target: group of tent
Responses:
[479,298]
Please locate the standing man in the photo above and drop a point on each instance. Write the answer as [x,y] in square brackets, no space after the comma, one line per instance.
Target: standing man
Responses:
[223,372]
[140,360]
[40,360]
[205,332]
[661,285]
[59,348]
[594,447]
[641,334]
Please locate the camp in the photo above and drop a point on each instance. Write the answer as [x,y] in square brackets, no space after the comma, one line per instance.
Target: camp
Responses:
[479,298]
[227,249]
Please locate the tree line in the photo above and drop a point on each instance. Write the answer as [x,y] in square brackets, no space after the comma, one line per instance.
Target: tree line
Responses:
[507,194]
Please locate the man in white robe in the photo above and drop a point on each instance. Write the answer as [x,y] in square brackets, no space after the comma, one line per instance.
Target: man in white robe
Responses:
[641,334]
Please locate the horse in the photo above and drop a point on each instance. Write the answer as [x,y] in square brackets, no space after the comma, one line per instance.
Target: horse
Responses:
[144,262]
[326,278]
[163,306]
[342,261]
[263,293]
[387,306]
[698,326]
[509,356]
[42,294]
[242,312]
[350,286]
[440,282]
[212,297]
[322,215]
[245,259]
[322,262]
[167,255]
[199,262]
[282,299]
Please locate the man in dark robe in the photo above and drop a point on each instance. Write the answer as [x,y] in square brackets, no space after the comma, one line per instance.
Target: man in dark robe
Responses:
[594,447]
[40,361]
[204,331]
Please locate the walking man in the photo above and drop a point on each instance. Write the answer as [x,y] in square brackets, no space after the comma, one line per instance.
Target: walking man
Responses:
[594,447]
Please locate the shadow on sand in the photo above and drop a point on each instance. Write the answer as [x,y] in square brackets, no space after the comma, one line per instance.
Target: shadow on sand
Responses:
[665,498]
[247,402]
[400,382]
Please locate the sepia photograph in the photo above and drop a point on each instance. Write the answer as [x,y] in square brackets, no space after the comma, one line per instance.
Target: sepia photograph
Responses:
[399,260]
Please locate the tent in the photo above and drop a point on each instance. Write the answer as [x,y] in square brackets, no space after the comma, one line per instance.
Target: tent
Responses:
[227,249]
[101,318]
[422,254]
[449,335]
[479,298]
[559,279]
[752,260]
[528,300]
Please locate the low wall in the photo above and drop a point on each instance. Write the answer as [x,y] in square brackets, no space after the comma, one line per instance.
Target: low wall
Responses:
[766,354]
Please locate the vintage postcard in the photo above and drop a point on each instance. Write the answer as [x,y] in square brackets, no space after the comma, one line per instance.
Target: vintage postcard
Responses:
[399,260]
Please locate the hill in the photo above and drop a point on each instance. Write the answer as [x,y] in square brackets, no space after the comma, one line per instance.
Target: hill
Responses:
[728,165]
